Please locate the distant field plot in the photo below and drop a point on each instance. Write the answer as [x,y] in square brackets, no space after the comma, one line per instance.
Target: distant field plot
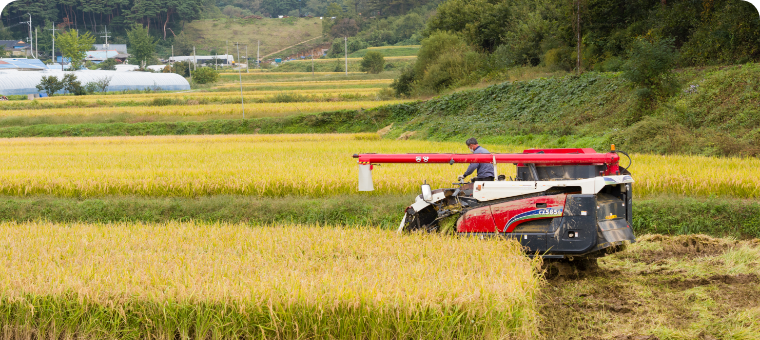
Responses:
[389,51]
[303,76]
[252,109]
[225,281]
[299,165]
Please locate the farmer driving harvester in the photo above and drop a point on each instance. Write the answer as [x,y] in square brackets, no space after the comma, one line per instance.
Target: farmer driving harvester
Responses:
[484,170]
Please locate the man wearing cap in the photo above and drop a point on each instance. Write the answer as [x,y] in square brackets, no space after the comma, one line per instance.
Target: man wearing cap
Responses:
[485,170]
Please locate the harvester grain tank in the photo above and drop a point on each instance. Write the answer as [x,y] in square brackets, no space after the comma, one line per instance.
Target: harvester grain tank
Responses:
[561,204]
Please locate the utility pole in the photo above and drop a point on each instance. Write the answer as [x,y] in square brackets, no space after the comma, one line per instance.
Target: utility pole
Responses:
[195,60]
[108,36]
[53,53]
[36,45]
[226,52]
[258,49]
[31,42]
[172,58]
[345,39]
[247,60]
[240,74]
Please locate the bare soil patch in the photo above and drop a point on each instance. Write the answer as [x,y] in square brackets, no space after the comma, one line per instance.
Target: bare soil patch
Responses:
[645,293]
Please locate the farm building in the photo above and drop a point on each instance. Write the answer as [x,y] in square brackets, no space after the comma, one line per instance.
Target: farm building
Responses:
[17,82]
[222,59]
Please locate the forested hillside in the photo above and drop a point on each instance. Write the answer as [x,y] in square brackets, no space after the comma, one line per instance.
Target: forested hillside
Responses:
[467,40]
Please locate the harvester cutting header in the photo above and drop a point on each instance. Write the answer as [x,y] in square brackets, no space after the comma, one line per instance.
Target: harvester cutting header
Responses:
[561,203]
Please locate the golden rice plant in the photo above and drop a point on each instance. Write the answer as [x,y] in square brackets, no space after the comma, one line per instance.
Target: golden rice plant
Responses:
[252,110]
[303,165]
[148,99]
[222,281]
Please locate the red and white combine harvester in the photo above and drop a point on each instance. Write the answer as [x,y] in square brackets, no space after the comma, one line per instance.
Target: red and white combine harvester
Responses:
[562,203]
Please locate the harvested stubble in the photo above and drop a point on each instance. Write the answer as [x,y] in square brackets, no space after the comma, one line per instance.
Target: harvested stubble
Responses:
[410,57]
[221,281]
[252,110]
[313,83]
[292,73]
[304,165]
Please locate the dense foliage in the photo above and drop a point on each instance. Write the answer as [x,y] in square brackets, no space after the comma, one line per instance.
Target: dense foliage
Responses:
[73,47]
[373,62]
[205,75]
[647,38]
[50,84]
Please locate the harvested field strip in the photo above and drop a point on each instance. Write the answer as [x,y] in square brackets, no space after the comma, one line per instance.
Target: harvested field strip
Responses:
[252,110]
[391,47]
[191,95]
[683,287]
[333,60]
[290,73]
[314,82]
[235,281]
[303,165]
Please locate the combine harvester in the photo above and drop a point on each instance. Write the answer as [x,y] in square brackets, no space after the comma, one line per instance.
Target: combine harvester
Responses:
[569,206]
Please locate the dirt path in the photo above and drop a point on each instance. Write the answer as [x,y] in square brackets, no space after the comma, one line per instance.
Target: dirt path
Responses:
[685,287]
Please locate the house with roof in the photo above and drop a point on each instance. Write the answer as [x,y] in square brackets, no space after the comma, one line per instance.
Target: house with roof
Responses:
[20,64]
[16,48]
[102,52]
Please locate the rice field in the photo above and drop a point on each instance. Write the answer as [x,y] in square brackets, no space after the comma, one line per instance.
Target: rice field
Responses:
[296,165]
[252,110]
[224,281]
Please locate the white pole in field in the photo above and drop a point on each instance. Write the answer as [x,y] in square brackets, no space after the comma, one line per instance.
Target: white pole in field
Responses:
[258,49]
[36,45]
[247,60]
[240,74]
[346,47]
[53,53]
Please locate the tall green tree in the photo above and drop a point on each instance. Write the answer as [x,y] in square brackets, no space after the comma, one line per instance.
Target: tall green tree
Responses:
[142,46]
[74,45]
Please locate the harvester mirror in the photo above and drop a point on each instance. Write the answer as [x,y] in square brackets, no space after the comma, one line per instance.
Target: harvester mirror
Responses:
[427,192]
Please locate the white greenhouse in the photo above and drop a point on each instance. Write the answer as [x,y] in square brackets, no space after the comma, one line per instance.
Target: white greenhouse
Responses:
[25,82]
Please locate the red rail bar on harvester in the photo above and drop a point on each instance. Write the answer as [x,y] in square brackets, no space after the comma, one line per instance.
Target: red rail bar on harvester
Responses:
[520,158]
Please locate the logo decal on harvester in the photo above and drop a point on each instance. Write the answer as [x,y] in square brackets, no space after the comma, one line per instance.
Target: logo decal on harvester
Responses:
[534,214]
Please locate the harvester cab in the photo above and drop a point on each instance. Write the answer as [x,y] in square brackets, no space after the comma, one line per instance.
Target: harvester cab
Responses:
[560,203]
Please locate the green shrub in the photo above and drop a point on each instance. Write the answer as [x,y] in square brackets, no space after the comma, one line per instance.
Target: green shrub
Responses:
[50,84]
[561,58]
[649,67]
[404,84]
[205,75]
[72,85]
[373,62]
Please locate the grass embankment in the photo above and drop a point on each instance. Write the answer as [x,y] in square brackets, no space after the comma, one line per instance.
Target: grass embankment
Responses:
[222,281]
[315,165]
[660,215]
[715,116]
[685,287]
